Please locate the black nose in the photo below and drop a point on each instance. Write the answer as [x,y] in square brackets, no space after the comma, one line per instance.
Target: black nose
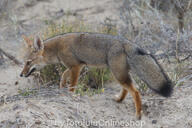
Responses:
[21,75]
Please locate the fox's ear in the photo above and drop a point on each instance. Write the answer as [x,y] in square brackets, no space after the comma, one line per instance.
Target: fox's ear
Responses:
[27,41]
[38,43]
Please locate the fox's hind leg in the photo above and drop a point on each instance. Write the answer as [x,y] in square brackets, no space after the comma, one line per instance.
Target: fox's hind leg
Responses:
[120,70]
[64,76]
[136,96]
[75,71]
[128,85]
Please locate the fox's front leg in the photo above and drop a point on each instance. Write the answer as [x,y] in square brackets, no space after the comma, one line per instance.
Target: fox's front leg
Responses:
[75,71]
[64,76]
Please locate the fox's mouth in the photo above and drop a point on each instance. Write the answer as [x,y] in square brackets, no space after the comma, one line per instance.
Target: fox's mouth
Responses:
[31,71]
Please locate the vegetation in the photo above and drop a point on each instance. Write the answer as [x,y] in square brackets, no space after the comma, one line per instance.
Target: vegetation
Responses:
[26,92]
[162,27]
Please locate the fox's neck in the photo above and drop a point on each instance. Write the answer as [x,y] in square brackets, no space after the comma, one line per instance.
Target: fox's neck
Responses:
[50,54]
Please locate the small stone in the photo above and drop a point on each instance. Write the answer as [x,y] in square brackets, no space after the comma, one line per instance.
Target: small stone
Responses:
[159,52]
[154,121]
[38,122]
[16,82]
[15,107]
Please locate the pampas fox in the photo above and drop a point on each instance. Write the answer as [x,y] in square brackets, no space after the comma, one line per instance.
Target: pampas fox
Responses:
[74,50]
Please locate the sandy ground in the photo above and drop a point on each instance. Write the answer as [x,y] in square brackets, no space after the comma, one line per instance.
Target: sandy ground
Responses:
[51,107]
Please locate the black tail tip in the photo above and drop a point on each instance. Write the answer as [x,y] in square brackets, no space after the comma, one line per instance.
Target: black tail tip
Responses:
[166,89]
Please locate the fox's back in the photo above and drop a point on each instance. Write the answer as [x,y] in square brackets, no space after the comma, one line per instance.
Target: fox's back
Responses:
[89,48]
[93,48]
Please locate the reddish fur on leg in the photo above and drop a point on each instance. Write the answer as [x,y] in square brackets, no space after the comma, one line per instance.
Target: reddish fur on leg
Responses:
[75,71]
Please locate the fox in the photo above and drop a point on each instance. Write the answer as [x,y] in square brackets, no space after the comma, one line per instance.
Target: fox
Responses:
[120,55]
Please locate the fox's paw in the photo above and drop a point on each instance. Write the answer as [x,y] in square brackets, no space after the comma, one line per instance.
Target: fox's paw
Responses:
[138,116]
[71,89]
[62,85]
[117,98]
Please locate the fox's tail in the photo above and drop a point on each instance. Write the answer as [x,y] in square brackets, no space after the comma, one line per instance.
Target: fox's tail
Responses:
[147,68]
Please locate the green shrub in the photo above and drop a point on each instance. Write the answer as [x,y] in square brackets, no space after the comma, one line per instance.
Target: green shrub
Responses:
[96,77]
[51,73]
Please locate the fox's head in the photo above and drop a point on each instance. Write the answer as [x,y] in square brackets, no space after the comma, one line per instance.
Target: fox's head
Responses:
[34,58]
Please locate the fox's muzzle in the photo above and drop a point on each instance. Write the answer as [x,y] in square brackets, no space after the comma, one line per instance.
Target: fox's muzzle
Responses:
[28,73]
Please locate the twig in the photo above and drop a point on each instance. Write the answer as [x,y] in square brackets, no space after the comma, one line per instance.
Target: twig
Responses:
[186,58]
[10,57]
[189,4]
[176,49]
[4,84]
